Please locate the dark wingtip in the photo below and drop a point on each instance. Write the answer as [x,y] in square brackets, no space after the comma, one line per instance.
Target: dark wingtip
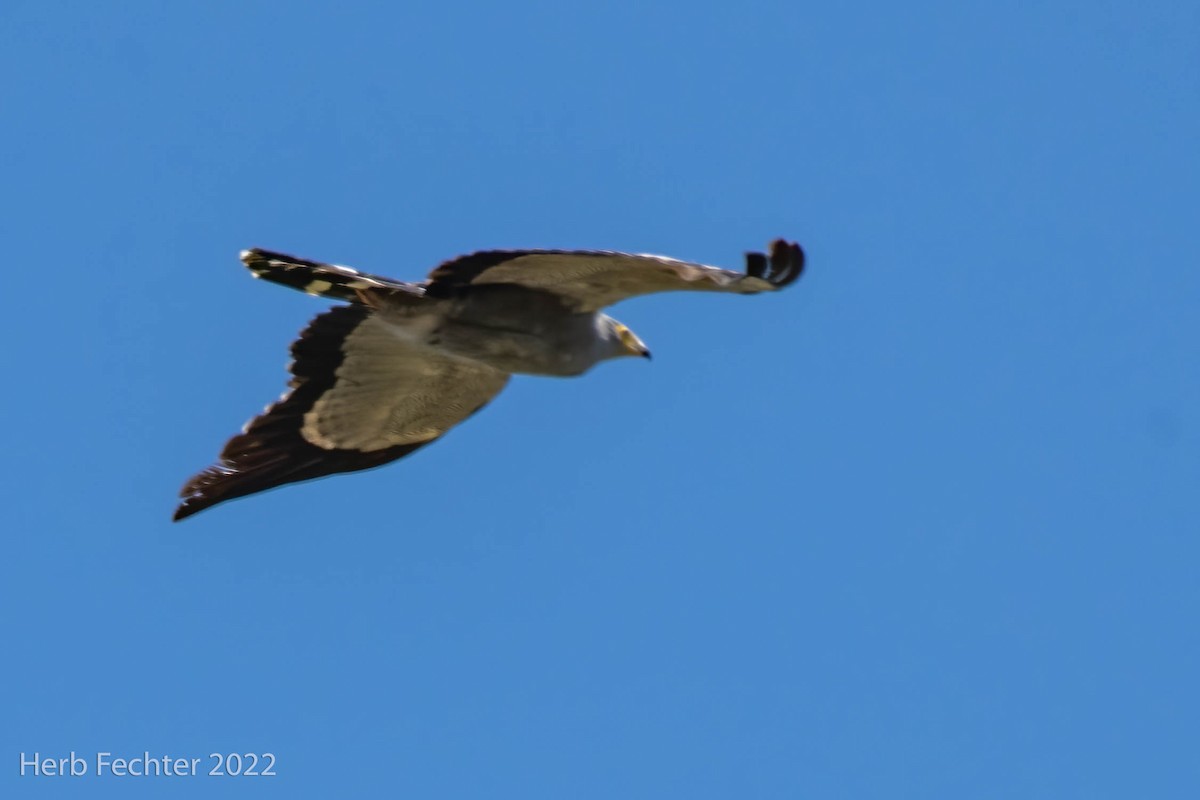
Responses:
[186,509]
[787,262]
[200,492]
[756,265]
[783,265]
[257,254]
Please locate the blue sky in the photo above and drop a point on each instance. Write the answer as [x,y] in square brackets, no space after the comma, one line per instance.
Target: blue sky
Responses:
[925,525]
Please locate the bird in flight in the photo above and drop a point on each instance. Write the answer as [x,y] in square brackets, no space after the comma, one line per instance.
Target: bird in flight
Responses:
[403,363]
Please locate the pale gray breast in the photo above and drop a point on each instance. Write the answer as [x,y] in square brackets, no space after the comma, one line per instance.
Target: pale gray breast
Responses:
[515,329]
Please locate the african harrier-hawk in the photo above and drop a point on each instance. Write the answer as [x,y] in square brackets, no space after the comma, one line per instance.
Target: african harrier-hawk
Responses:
[404,362]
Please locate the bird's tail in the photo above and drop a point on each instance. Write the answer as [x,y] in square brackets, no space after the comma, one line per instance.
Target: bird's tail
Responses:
[325,280]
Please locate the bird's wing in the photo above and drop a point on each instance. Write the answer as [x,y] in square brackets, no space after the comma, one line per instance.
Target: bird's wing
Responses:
[327,280]
[360,396]
[588,280]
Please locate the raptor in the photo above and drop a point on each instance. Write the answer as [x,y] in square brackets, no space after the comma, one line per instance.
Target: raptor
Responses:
[402,363]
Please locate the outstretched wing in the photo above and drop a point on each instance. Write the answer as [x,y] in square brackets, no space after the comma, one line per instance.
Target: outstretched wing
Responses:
[360,396]
[327,280]
[590,280]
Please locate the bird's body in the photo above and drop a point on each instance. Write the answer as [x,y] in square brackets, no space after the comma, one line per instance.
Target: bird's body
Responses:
[512,329]
[404,362]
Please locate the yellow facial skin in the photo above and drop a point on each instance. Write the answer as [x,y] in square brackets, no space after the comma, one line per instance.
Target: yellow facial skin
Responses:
[633,345]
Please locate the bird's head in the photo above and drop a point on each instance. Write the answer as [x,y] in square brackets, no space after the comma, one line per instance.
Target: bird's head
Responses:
[622,341]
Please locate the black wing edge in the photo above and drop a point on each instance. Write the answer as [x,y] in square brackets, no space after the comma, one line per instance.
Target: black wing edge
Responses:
[271,451]
[782,266]
[459,272]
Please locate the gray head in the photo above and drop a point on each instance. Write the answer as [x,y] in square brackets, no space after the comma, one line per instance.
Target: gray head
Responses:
[617,340]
